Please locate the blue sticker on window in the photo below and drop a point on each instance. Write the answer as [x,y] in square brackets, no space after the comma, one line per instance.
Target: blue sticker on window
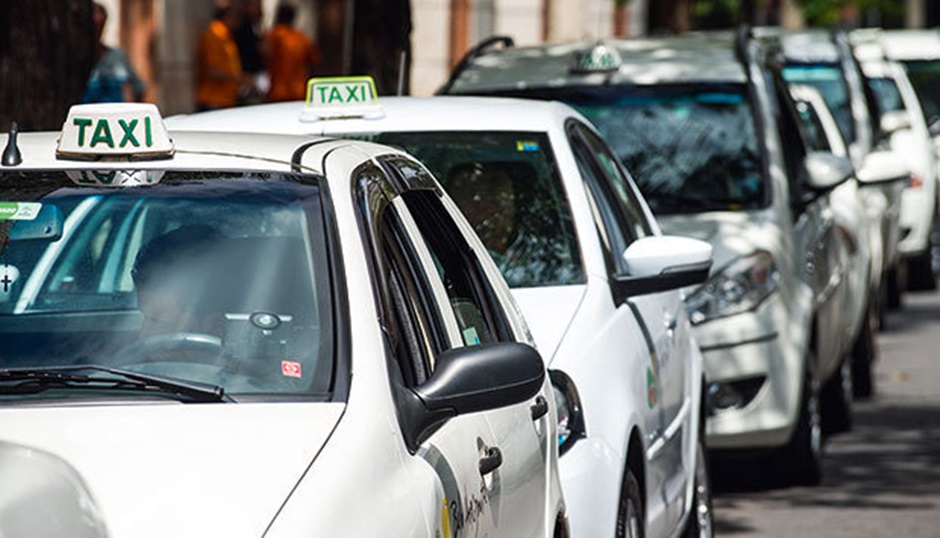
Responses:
[527,146]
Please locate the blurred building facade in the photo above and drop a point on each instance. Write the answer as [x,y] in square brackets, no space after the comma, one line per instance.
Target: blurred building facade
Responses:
[160,35]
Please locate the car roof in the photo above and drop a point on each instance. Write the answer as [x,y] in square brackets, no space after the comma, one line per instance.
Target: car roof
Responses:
[444,113]
[704,57]
[911,44]
[812,46]
[196,151]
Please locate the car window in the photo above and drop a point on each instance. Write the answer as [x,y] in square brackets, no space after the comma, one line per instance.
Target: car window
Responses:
[828,80]
[887,93]
[925,77]
[813,131]
[236,258]
[508,187]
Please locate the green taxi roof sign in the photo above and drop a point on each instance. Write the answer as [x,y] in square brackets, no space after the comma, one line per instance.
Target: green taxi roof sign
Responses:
[114,130]
[341,97]
[598,59]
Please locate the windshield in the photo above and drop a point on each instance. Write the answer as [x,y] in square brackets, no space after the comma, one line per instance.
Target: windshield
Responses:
[925,77]
[211,278]
[828,80]
[508,187]
[690,148]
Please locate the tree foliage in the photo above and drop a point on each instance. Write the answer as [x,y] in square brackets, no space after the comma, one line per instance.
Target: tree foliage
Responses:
[46,54]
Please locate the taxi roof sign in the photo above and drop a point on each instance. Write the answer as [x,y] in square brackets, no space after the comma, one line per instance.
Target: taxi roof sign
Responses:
[341,97]
[124,130]
[600,58]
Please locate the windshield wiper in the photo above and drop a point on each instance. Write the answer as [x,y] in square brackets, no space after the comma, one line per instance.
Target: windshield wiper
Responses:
[36,380]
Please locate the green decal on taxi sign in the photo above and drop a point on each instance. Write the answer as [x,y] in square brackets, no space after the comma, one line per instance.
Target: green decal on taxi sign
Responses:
[114,129]
[341,97]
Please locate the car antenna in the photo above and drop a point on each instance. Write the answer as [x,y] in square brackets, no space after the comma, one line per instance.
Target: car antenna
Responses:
[11,153]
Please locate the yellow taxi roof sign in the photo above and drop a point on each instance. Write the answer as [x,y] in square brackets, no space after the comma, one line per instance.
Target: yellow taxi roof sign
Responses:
[129,130]
[341,97]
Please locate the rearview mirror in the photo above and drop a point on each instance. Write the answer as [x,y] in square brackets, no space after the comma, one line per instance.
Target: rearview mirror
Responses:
[883,166]
[31,220]
[661,263]
[825,170]
[472,379]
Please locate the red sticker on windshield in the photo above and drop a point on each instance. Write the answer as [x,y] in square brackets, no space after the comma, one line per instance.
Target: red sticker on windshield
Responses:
[291,369]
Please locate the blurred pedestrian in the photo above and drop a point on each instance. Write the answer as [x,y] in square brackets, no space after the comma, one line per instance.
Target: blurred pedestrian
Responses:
[249,36]
[291,57]
[113,79]
[219,68]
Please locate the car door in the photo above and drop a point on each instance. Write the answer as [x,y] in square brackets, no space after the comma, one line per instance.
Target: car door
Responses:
[661,317]
[418,326]
[513,465]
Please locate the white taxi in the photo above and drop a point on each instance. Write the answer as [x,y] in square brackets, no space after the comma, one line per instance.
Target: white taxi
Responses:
[234,335]
[586,262]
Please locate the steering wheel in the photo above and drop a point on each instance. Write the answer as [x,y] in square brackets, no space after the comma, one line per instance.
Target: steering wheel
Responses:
[180,346]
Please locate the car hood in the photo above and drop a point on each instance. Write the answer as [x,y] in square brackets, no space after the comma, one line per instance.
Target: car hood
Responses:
[178,469]
[548,312]
[731,234]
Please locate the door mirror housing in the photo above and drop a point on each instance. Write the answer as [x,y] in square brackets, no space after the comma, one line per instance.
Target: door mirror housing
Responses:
[894,121]
[883,166]
[825,171]
[468,380]
[662,263]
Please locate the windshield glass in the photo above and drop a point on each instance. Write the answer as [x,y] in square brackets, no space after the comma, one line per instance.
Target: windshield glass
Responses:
[690,148]
[508,187]
[925,77]
[828,80]
[213,278]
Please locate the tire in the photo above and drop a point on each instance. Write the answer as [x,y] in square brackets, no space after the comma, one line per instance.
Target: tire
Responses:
[701,522]
[630,511]
[863,358]
[920,275]
[837,396]
[894,291]
[802,455]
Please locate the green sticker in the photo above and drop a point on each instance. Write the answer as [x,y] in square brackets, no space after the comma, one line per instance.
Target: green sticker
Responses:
[19,210]
[470,336]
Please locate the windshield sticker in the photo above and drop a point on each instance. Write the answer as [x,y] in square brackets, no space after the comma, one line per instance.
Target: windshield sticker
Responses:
[9,274]
[470,336]
[115,178]
[527,146]
[19,210]
[291,369]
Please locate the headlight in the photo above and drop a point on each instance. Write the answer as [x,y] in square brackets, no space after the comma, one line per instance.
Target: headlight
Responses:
[741,286]
[567,410]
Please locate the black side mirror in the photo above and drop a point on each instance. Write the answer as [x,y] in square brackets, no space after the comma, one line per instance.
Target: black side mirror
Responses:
[468,380]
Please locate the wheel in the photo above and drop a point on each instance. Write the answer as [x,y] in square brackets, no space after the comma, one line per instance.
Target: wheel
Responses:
[920,272]
[837,396]
[894,290]
[701,517]
[802,456]
[863,358]
[181,346]
[630,511]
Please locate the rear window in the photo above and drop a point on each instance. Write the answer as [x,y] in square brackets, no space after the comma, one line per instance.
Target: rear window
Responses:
[120,277]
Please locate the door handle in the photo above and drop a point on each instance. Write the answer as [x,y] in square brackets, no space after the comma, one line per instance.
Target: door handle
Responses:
[491,461]
[539,408]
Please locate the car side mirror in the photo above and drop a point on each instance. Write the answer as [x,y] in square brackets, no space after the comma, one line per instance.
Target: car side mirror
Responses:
[662,263]
[471,379]
[894,121]
[883,166]
[825,170]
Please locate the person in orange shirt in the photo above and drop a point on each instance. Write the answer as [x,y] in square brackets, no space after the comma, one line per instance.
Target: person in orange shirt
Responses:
[219,75]
[291,57]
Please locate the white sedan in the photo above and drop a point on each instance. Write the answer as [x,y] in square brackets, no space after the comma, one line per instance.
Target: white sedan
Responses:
[234,335]
[586,262]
